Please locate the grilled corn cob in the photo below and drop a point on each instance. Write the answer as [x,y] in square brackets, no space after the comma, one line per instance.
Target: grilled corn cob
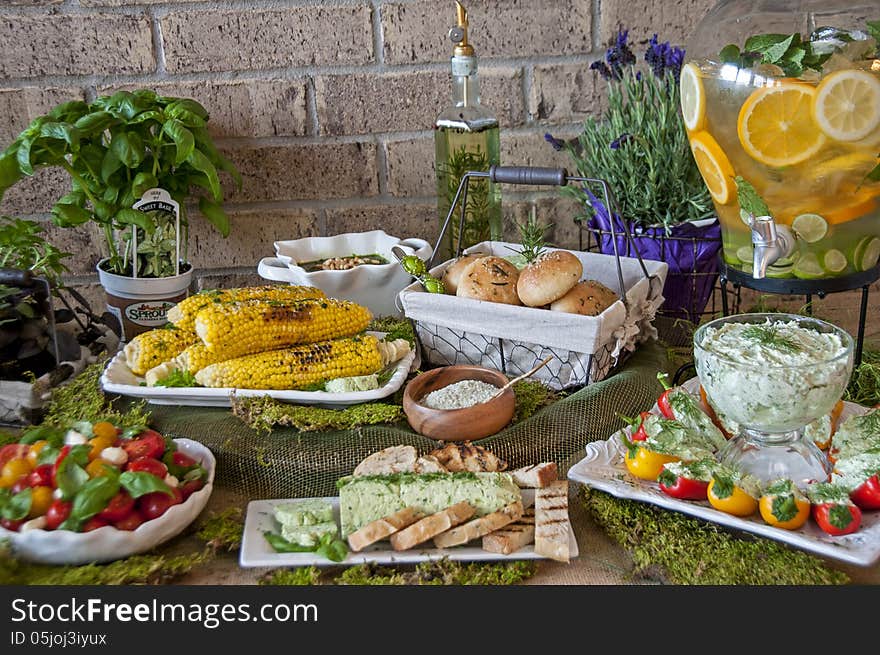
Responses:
[297,367]
[183,314]
[253,326]
[151,348]
[191,359]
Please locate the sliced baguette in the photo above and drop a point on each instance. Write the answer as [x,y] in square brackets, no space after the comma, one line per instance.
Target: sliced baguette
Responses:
[432,525]
[395,459]
[511,538]
[552,526]
[536,475]
[382,528]
[479,527]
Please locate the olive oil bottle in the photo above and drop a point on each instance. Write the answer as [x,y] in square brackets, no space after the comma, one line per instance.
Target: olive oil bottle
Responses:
[466,139]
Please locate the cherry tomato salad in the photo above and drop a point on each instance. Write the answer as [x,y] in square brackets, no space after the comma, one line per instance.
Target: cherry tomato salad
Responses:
[92,475]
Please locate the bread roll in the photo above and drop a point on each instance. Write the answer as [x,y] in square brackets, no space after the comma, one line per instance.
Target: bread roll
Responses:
[452,274]
[489,278]
[548,278]
[589,298]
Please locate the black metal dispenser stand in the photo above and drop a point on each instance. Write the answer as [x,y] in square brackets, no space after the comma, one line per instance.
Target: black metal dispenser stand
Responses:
[807,288]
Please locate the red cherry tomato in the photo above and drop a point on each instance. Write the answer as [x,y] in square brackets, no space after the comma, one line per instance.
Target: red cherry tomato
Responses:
[836,518]
[129,522]
[13,451]
[148,443]
[93,524]
[9,524]
[57,514]
[148,465]
[118,508]
[41,476]
[155,504]
[190,487]
[867,494]
[183,460]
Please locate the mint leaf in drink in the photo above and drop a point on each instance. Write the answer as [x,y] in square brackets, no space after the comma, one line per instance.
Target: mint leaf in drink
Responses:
[749,199]
[874,29]
[874,175]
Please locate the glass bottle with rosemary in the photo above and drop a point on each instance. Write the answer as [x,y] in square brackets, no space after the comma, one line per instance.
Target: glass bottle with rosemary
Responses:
[466,139]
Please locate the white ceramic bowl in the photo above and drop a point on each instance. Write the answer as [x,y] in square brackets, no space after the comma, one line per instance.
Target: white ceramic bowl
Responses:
[107,544]
[375,286]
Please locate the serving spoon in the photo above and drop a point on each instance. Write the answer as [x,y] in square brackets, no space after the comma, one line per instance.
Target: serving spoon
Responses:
[522,377]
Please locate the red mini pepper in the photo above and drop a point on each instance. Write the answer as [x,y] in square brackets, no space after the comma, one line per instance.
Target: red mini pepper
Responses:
[867,494]
[686,481]
[637,425]
[832,509]
[663,401]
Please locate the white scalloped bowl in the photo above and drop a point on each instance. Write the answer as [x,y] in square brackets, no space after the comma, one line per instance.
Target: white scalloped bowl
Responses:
[108,543]
[374,286]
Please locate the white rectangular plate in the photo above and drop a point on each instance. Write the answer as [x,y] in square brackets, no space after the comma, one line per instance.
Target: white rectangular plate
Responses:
[256,551]
[118,378]
[603,469]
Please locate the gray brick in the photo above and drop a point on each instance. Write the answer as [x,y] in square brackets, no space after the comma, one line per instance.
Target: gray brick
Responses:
[566,93]
[411,167]
[18,107]
[321,171]
[35,194]
[85,243]
[416,32]
[531,149]
[251,237]
[244,107]
[208,280]
[253,39]
[551,209]
[404,221]
[405,101]
[671,20]
[120,3]
[94,44]
[33,3]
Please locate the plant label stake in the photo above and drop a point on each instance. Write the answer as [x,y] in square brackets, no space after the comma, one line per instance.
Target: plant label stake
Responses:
[156,200]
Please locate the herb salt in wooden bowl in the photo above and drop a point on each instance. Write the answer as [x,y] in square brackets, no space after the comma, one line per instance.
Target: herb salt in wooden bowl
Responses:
[474,409]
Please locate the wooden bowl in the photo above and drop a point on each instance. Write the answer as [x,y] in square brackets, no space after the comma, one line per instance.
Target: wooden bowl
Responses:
[464,424]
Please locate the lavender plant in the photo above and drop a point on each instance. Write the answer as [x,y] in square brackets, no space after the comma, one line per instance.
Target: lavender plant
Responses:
[639,145]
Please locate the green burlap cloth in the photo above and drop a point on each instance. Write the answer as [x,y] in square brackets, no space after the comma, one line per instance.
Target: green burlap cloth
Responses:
[291,464]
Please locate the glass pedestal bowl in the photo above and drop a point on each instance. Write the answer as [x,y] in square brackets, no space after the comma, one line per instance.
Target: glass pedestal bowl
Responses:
[772,374]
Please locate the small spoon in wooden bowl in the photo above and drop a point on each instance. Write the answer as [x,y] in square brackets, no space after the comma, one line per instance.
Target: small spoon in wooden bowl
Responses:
[522,377]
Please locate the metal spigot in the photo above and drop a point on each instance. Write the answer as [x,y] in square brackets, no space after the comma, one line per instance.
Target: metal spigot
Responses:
[771,242]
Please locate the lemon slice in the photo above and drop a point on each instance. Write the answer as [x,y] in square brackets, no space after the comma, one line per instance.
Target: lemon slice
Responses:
[693,98]
[834,261]
[775,125]
[714,167]
[847,104]
[810,227]
[808,268]
[867,253]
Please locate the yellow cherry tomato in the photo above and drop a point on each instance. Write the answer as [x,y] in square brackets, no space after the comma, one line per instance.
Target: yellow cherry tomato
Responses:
[98,467]
[34,452]
[105,429]
[98,444]
[782,505]
[13,471]
[41,498]
[646,464]
[726,496]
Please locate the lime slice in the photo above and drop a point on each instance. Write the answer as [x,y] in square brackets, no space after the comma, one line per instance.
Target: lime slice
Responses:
[834,261]
[780,271]
[867,253]
[810,227]
[730,256]
[744,216]
[808,268]
[745,254]
[787,261]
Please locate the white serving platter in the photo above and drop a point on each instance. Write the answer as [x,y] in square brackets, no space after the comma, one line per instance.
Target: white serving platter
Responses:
[256,551]
[603,468]
[118,378]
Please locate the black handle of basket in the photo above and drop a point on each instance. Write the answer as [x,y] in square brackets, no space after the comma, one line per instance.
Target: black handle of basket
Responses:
[16,277]
[534,175]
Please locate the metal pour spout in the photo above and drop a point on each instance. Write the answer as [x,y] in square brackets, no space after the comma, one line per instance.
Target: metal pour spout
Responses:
[771,242]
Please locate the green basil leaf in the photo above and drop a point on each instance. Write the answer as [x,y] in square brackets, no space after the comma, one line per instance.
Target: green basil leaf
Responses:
[110,164]
[215,215]
[80,454]
[135,217]
[48,455]
[72,524]
[24,157]
[17,507]
[149,115]
[63,132]
[111,195]
[66,215]
[202,164]
[55,436]
[9,171]
[182,105]
[93,497]
[129,148]
[90,156]
[68,111]
[95,123]
[142,183]
[281,545]
[183,139]
[229,167]
[104,211]
[138,483]
[335,550]
[70,477]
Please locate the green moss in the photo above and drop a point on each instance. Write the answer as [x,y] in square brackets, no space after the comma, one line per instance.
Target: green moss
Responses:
[395,328]
[223,531]
[440,572]
[531,395]
[262,414]
[864,386]
[682,550]
[299,577]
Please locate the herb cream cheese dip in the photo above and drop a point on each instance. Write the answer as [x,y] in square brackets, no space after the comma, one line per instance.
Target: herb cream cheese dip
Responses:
[774,376]
[459,395]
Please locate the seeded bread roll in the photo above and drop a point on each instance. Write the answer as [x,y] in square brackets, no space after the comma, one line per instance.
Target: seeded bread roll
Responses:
[589,298]
[489,278]
[548,278]
[452,274]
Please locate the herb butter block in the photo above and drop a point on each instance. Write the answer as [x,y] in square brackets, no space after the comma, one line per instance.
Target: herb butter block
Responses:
[363,499]
[307,535]
[304,512]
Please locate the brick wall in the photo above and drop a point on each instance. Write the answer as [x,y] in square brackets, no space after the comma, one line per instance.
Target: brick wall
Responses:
[325,106]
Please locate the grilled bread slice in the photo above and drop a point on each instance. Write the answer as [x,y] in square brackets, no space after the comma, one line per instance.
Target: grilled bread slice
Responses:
[478,527]
[512,537]
[536,475]
[432,525]
[383,528]
[552,525]
[465,456]
[429,464]
[395,459]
